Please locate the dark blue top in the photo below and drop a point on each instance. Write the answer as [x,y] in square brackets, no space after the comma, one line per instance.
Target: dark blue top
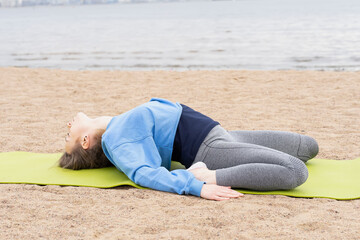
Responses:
[192,129]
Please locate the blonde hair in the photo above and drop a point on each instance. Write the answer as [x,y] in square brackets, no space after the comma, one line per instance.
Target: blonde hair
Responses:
[80,158]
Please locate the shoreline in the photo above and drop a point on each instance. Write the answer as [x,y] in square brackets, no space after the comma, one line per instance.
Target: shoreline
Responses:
[178,70]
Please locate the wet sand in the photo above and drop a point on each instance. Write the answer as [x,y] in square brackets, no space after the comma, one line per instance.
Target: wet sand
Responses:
[36,103]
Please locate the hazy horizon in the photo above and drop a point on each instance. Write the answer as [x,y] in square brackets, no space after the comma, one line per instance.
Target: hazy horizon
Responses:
[260,34]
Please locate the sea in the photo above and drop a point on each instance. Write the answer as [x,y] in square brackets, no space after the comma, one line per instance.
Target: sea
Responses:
[193,35]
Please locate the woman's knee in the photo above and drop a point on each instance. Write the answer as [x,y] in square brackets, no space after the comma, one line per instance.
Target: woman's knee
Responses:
[308,149]
[299,173]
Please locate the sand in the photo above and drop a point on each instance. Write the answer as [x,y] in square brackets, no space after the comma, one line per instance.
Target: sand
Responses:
[36,103]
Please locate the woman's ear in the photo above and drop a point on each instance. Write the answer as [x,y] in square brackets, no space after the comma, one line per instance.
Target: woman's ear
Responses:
[85,143]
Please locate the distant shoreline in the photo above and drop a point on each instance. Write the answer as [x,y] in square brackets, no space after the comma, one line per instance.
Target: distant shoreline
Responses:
[254,35]
[96,68]
[32,3]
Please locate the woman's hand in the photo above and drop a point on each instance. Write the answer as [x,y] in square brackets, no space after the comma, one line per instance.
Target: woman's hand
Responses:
[218,193]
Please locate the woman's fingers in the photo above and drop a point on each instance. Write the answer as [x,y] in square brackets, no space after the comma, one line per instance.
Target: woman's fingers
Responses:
[226,196]
[233,195]
[230,193]
[218,193]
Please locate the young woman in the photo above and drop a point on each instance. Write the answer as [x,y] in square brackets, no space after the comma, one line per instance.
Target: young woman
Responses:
[143,141]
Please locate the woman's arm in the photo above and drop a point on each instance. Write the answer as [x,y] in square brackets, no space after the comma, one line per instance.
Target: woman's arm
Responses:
[141,162]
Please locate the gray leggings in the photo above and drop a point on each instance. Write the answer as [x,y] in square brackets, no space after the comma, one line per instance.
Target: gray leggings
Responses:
[260,160]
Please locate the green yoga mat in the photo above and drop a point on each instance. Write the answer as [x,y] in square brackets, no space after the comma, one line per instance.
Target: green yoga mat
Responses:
[337,179]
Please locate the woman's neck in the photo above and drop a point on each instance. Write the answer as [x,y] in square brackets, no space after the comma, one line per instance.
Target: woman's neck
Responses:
[101,122]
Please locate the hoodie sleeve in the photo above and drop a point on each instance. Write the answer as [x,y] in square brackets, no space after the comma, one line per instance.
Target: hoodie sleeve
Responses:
[141,162]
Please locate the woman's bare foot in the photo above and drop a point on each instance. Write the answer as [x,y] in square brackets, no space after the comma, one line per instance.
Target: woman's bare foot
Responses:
[202,173]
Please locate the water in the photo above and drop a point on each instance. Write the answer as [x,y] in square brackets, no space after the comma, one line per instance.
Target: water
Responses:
[248,34]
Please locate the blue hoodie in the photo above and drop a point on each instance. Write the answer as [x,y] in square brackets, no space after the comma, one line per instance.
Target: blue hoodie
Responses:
[140,144]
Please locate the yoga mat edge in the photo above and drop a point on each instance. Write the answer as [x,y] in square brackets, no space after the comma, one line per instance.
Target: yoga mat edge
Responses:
[334,179]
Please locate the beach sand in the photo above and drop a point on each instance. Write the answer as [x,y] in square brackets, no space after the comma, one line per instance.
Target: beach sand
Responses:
[35,105]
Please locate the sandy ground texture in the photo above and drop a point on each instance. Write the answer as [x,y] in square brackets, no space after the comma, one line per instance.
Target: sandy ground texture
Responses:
[36,103]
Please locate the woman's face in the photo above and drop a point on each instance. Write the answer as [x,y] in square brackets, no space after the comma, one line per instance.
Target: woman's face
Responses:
[77,127]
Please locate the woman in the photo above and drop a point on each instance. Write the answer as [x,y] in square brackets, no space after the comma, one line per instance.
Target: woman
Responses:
[143,141]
